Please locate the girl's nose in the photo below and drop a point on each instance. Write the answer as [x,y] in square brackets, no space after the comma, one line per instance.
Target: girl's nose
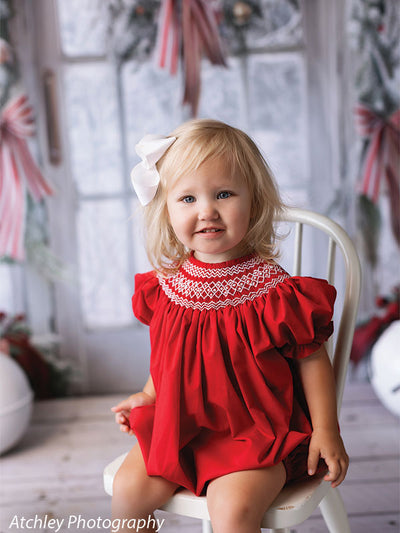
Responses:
[208,211]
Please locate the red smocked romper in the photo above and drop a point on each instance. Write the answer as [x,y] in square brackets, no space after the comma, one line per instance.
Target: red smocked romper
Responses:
[224,338]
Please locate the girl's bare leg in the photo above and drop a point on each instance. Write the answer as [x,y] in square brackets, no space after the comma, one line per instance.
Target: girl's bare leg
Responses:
[135,494]
[237,502]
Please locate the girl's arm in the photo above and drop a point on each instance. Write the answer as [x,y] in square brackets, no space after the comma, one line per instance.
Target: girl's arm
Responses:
[149,388]
[318,381]
[123,409]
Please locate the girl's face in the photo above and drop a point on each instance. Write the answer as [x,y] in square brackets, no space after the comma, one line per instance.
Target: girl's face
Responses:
[209,210]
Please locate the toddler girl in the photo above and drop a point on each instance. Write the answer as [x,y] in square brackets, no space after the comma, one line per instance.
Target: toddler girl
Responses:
[241,394]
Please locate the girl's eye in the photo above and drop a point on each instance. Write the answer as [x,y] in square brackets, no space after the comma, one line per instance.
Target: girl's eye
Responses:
[188,199]
[223,194]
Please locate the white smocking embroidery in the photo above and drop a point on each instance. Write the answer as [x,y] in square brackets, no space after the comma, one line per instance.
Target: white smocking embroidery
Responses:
[201,272]
[243,282]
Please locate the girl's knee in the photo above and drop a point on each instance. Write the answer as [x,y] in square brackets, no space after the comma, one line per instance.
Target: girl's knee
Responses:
[134,488]
[131,478]
[231,513]
[128,483]
[238,501]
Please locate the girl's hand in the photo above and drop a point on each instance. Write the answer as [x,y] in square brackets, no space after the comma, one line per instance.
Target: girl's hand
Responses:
[329,445]
[124,408]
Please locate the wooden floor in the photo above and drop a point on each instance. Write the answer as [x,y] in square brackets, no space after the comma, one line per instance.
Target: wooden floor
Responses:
[56,470]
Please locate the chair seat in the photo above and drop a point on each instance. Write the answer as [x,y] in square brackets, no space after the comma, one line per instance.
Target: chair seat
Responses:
[299,498]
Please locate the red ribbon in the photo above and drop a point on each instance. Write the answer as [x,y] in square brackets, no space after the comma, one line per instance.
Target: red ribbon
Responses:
[193,29]
[17,171]
[169,36]
[382,157]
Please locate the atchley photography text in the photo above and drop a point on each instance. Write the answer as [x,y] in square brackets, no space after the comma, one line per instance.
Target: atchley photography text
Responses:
[49,523]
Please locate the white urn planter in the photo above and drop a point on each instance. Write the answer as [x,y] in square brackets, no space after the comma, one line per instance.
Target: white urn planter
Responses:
[385,367]
[16,401]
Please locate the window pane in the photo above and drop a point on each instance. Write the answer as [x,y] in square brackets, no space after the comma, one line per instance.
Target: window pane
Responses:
[152,102]
[106,283]
[221,92]
[280,24]
[83,26]
[277,24]
[93,128]
[277,115]
[152,98]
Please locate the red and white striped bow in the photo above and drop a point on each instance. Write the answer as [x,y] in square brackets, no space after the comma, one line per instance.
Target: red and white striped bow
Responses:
[18,171]
[189,28]
[383,152]
[169,36]
[382,158]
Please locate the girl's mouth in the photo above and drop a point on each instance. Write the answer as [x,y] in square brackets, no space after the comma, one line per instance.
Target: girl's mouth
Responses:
[210,232]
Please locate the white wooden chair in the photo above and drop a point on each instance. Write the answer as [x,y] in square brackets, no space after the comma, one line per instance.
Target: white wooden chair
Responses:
[297,501]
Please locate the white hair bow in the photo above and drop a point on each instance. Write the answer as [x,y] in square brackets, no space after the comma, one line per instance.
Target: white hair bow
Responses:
[145,177]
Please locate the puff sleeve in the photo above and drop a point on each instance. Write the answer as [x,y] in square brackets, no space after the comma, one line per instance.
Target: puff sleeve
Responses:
[145,297]
[298,315]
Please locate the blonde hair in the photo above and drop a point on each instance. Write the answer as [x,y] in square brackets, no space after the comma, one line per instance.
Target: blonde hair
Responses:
[203,140]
